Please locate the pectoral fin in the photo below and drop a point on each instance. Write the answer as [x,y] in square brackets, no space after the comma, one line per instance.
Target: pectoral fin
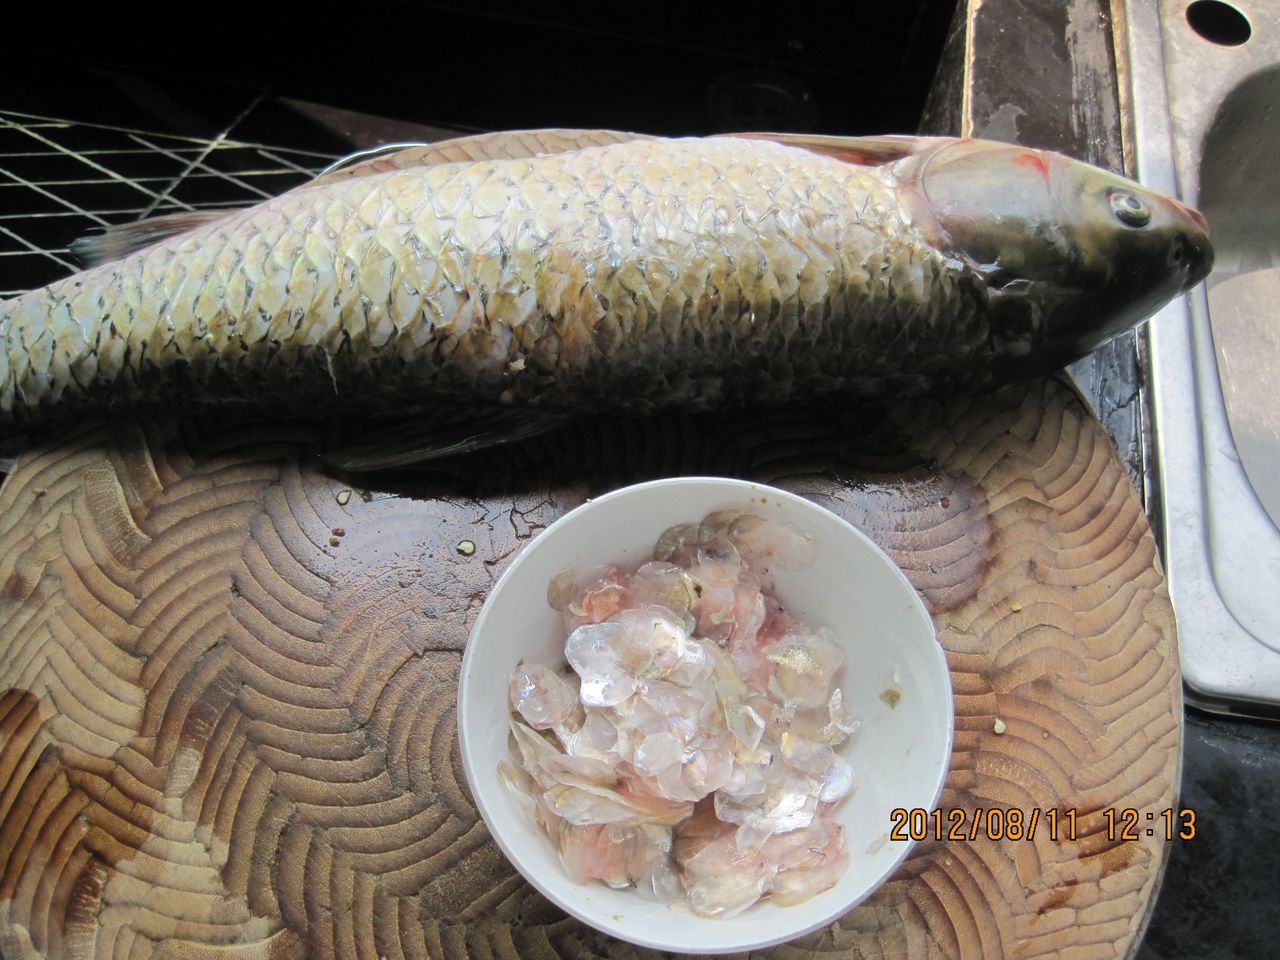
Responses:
[404,443]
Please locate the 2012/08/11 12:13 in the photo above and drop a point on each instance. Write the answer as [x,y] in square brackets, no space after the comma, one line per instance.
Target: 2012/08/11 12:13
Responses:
[1061,825]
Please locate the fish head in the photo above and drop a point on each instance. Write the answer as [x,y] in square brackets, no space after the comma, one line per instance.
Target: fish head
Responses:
[1068,254]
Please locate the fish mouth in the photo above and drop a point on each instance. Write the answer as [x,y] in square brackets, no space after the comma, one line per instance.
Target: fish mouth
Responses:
[1192,251]
[1195,254]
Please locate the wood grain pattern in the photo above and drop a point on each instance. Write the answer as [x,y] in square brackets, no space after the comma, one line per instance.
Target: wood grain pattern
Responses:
[227,687]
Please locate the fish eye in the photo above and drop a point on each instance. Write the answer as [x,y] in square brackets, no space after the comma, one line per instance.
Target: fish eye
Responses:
[1129,209]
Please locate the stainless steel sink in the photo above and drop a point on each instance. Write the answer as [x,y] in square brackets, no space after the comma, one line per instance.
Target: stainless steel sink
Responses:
[1203,82]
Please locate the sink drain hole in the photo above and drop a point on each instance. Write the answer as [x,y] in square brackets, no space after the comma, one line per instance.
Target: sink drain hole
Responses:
[1219,22]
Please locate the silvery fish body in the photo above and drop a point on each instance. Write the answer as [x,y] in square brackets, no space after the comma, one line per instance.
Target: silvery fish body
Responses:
[614,272]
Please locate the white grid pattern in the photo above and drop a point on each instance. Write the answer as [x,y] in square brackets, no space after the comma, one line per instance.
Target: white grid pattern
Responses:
[83,188]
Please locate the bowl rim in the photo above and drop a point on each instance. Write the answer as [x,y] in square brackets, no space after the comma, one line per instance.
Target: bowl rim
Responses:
[746,487]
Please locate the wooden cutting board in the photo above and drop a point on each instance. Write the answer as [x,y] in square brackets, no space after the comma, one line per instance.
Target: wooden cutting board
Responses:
[227,680]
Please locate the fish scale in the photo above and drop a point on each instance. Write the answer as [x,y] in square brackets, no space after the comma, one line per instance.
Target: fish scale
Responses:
[627,276]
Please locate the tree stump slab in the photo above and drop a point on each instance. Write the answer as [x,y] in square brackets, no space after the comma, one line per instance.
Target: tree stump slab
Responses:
[227,680]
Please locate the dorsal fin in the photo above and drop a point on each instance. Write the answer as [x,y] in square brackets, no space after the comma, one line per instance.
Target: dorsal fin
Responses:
[117,242]
[506,145]
[862,151]
[360,157]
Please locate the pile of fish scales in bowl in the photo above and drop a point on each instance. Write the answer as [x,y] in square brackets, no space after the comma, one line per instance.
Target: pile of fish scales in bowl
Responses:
[688,752]
[688,745]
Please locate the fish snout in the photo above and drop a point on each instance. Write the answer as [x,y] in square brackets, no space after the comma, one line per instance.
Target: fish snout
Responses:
[1193,256]
[1191,252]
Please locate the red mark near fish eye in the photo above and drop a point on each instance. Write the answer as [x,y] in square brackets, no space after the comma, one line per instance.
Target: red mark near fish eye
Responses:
[1035,161]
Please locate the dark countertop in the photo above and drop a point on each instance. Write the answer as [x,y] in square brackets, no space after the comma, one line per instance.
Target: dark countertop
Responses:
[1043,73]
[1219,894]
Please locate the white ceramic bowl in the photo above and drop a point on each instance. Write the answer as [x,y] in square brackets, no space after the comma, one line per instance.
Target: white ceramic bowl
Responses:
[899,754]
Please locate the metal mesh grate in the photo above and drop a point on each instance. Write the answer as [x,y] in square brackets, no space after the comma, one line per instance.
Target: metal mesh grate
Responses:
[61,180]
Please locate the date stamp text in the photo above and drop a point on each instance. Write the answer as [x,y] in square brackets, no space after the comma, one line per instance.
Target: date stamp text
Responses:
[1058,824]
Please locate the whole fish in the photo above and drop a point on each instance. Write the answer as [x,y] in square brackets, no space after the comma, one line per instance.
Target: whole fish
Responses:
[612,272]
